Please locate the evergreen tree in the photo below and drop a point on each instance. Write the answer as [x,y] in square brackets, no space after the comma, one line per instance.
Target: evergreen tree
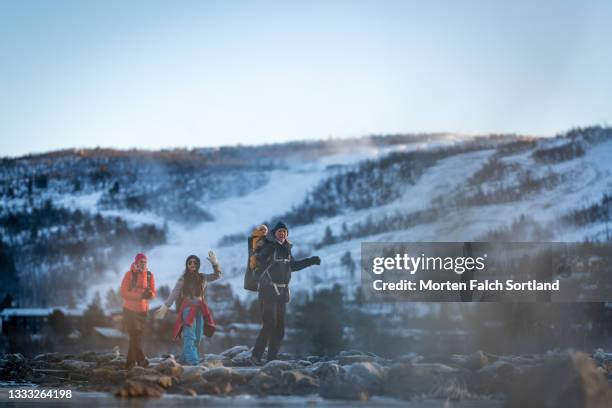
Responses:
[328,238]
[360,297]
[58,324]
[322,321]
[113,300]
[347,262]
[8,272]
[239,311]
[94,315]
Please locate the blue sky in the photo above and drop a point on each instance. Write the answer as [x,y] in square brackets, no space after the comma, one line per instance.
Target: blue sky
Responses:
[164,74]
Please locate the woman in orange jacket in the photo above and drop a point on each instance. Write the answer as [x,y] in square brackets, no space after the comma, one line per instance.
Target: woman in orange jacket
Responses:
[137,288]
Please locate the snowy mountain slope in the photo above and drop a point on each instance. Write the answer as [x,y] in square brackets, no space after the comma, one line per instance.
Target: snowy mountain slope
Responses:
[416,197]
[428,188]
[583,180]
[284,189]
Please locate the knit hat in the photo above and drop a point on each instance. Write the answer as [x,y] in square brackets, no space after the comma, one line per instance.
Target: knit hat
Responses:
[280,225]
[139,256]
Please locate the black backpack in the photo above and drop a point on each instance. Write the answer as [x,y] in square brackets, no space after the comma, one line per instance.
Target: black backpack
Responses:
[251,277]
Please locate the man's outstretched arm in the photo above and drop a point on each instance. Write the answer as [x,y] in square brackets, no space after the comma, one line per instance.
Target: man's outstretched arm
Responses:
[304,263]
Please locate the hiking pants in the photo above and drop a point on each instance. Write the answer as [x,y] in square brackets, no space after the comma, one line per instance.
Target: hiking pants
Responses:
[273,308]
[134,325]
[192,336]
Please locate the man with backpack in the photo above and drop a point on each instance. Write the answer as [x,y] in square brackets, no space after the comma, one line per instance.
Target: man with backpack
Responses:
[137,288]
[274,265]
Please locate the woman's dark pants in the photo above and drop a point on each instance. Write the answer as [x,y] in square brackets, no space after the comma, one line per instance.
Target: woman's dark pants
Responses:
[134,325]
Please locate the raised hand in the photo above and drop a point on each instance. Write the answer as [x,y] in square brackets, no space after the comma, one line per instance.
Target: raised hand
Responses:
[212,258]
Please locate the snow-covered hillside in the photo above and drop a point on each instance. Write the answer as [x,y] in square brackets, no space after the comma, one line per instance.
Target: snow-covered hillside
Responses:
[333,194]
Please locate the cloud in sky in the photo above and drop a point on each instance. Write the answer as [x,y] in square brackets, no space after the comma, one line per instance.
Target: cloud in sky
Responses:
[156,74]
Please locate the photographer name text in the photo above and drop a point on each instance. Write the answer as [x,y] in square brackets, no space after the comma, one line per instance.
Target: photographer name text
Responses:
[473,284]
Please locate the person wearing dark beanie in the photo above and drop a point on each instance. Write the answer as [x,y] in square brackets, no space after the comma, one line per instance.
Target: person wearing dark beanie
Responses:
[275,263]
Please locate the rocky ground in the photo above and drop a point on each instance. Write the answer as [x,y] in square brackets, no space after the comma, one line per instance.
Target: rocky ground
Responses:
[555,379]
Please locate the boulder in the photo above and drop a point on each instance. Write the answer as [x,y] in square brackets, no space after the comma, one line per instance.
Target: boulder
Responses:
[14,367]
[192,374]
[313,359]
[454,390]
[297,383]
[245,372]
[218,375]
[117,363]
[214,357]
[370,376]
[163,381]
[49,358]
[214,364]
[566,381]
[139,371]
[347,360]
[352,352]
[326,371]
[13,359]
[157,360]
[408,380]
[82,367]
[495,378]
[263,383]
[170,367]
[151,375]
[225,388]
[276,367]
[204,387]
[238,378]
[341,388]
[349,357]
[242,359]
[139,389]
[234,351]
[474,361]
[410,358]
[603,360]
[106,358]
[89,356]
[215,360]
[108,376]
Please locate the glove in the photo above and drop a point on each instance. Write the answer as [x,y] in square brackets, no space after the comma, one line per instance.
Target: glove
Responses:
[315,260]
[212,258]
[147,294]
[161,312]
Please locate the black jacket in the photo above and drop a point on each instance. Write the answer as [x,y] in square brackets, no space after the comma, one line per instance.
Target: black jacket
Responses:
[277,259]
